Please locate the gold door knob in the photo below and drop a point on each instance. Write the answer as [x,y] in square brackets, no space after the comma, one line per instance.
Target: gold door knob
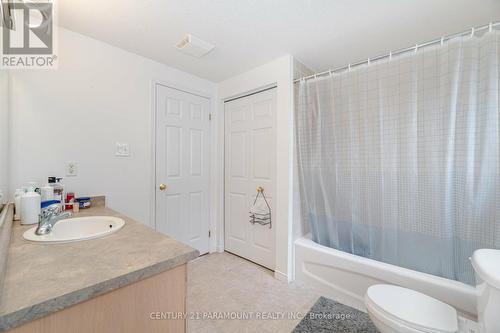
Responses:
[163,187]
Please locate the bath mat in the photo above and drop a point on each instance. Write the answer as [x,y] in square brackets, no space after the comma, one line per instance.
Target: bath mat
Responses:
[327,316]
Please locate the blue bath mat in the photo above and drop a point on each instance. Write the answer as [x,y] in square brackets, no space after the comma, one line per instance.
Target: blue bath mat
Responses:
[327,316]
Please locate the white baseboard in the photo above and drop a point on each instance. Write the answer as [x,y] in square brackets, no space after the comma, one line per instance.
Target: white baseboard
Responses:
[280,276]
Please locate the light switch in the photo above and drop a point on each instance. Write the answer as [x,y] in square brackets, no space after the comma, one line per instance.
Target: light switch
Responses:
[71,169]
[122,149]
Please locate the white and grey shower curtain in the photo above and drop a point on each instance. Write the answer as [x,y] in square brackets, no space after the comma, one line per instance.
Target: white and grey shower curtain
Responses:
[398,161]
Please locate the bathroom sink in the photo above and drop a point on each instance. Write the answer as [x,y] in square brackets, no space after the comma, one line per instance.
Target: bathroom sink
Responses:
[77,229]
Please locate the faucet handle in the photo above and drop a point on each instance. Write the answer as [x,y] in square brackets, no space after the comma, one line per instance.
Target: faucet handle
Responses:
[49,216]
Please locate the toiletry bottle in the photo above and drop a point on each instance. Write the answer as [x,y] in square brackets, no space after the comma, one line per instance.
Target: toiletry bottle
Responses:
[17,203]
[70,198]
[62,191]
[47,193]
[30,206]
[76,207]
[58,186]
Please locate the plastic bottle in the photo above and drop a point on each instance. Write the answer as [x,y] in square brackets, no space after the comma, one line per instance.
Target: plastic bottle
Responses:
[47,193]
[30,206]
[17,203]
[58,186]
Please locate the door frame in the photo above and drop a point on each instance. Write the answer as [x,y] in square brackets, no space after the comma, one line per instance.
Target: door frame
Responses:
[223,161]
[221,230]
[212,241]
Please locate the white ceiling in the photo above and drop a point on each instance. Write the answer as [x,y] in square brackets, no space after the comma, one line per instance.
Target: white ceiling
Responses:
[322,34]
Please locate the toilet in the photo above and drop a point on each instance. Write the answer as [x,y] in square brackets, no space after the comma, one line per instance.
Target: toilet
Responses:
[394,309]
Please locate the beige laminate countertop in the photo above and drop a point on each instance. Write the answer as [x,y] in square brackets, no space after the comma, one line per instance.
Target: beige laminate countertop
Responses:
[44,278]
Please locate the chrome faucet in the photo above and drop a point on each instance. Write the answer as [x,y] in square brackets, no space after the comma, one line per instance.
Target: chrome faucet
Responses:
[49,216]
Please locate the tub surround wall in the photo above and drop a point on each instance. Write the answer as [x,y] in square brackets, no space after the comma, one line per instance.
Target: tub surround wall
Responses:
[42,279]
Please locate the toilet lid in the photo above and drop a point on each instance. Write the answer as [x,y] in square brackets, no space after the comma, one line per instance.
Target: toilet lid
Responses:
[485,263]
[412,308]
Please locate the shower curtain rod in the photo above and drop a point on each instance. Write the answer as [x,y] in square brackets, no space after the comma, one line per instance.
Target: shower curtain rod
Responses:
[389,55]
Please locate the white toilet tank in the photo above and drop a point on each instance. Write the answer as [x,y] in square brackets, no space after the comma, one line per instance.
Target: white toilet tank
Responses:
[486,263]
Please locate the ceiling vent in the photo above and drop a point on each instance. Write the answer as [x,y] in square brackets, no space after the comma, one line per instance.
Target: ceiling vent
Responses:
[194,46]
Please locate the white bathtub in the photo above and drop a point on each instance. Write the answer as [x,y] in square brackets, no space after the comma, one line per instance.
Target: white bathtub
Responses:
[345,277]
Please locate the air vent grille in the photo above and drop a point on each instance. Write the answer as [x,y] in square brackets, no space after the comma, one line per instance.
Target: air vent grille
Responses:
[194,46]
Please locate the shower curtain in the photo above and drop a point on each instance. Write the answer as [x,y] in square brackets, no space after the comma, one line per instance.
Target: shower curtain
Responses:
[398,161]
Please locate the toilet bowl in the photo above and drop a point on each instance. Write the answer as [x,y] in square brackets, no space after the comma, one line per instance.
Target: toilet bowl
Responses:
[394,309]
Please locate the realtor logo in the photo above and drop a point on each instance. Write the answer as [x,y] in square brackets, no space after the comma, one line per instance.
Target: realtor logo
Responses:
[27,34]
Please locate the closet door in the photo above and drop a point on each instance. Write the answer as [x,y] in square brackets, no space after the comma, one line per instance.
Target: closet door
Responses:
[250,162]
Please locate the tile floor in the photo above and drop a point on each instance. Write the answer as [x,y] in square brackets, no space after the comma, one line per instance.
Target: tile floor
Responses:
[223,284]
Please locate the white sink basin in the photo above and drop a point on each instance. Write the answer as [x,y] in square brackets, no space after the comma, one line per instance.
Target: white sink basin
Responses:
[77,229]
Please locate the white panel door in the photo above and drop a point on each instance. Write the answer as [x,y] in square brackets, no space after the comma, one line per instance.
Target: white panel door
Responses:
[182,165]
[250,162]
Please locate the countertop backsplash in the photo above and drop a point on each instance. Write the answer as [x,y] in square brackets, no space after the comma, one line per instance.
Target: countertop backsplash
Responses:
[6,217]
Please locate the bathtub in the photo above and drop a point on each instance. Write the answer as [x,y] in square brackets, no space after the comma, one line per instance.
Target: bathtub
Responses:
[345,277]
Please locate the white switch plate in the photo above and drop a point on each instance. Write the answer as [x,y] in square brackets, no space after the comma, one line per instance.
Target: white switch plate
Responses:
[72,169]
[122,149]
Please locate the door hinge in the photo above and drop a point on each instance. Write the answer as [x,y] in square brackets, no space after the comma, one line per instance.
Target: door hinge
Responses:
[209,233]
[210,116]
